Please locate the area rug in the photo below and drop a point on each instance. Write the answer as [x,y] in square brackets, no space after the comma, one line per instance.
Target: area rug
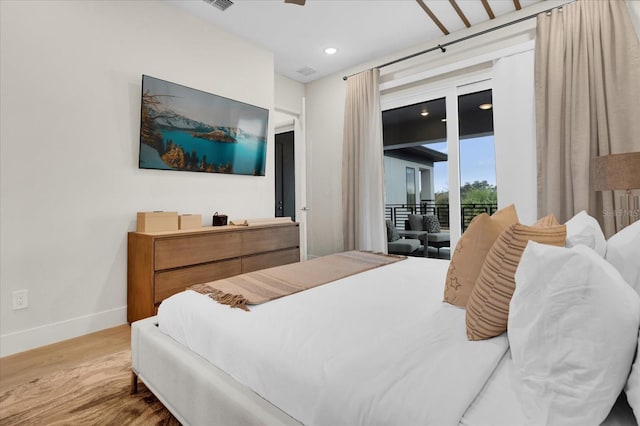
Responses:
[93,393]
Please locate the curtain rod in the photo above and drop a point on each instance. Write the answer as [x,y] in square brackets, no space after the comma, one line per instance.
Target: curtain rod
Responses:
[442,47]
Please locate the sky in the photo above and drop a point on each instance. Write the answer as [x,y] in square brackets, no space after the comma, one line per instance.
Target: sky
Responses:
[477,162]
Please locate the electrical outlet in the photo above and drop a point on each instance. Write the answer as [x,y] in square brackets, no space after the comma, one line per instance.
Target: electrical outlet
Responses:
[20,299]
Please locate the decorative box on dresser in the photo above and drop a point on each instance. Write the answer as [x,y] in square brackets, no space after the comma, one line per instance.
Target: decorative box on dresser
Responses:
[161,264]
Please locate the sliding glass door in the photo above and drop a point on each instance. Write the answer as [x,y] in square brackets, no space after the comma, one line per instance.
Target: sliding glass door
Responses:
[445,133]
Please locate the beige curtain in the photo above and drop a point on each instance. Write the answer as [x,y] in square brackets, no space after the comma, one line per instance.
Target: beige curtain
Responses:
[587,71]
[362,166]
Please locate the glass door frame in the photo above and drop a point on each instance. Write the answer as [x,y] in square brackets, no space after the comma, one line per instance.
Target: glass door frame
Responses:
[450,89]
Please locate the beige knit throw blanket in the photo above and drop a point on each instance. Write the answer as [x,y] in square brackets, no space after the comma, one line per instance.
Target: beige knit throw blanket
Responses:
[258,287]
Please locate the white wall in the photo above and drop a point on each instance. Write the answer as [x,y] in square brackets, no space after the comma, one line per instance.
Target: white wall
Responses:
[325,120]
[395,180]
[515,134]
[288,100]
[70,184]
[288,95]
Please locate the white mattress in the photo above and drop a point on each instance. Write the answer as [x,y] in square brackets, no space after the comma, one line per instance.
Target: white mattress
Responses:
[379,347]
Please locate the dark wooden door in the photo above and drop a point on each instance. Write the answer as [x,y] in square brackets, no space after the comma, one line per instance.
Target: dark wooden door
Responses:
[285,176]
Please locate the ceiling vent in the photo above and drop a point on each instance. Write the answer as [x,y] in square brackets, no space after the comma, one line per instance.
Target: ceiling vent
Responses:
[220,4]
[306,71]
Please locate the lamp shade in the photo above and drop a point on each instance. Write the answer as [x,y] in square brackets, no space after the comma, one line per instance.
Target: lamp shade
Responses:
[616,171]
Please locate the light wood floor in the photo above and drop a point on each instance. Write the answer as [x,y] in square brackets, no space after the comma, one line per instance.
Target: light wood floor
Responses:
[26,366]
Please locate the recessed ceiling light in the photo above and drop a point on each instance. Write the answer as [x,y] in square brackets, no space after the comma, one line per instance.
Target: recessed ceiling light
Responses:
[330,50]
[424,113]
[485,106]
[444,120]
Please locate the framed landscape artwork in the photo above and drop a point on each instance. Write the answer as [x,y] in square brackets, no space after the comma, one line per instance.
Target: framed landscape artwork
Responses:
[191,130]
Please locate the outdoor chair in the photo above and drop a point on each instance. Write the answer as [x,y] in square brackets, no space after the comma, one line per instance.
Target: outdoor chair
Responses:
[435,236]
[397,245]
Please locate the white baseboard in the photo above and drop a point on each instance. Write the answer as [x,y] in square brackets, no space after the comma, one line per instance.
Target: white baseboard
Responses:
[20,341]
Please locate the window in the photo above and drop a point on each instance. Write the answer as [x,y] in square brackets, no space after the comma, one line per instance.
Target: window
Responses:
[411,185]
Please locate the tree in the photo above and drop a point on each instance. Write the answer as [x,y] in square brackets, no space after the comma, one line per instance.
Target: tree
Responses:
[442,197]
[149,132]
[478,192]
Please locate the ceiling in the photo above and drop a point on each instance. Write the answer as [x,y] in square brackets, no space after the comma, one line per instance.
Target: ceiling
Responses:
[424,122]
[408,130]
[361,30]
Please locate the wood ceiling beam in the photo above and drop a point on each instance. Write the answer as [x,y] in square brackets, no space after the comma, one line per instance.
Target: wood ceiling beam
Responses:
[461,13]
[516,3]
[487,7]
[433,17]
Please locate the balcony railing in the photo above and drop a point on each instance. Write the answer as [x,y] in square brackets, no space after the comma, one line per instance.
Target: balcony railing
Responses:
[398,213]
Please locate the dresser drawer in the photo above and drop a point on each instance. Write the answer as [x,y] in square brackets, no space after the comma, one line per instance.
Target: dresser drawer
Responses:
[269,239]
[269,260]
[171,282]
[160,264]
[194,249]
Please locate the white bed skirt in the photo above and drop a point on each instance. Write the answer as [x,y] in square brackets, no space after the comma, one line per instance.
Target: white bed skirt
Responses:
[192,389]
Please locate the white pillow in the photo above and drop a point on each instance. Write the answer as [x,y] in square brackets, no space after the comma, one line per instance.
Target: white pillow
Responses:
[584,229]
[623,252]
[573,329]
[633,385]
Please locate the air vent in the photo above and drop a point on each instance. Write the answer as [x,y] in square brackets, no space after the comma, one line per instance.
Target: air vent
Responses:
[220,4]
[306,71]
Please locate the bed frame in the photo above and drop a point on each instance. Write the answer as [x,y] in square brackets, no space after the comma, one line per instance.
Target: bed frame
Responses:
[194,390]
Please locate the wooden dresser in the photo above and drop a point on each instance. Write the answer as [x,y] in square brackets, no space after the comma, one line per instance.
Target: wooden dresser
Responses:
[164,263]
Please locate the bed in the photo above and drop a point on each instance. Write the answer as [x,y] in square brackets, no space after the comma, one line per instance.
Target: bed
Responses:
[378,347]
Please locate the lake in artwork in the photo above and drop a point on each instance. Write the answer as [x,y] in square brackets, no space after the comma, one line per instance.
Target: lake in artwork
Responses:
[190,130]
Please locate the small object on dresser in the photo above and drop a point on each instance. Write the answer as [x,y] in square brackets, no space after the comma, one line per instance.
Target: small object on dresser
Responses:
[190,221]
[219,219]
[260,221]
[157,221]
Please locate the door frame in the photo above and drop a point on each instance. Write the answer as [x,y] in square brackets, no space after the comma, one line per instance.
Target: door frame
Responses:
[295,121]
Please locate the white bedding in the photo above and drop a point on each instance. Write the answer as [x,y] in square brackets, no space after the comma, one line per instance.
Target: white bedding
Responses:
[497,392]
[498,404]
[379,347]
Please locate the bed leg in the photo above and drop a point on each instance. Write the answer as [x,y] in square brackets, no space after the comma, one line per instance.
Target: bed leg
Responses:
[134,383]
